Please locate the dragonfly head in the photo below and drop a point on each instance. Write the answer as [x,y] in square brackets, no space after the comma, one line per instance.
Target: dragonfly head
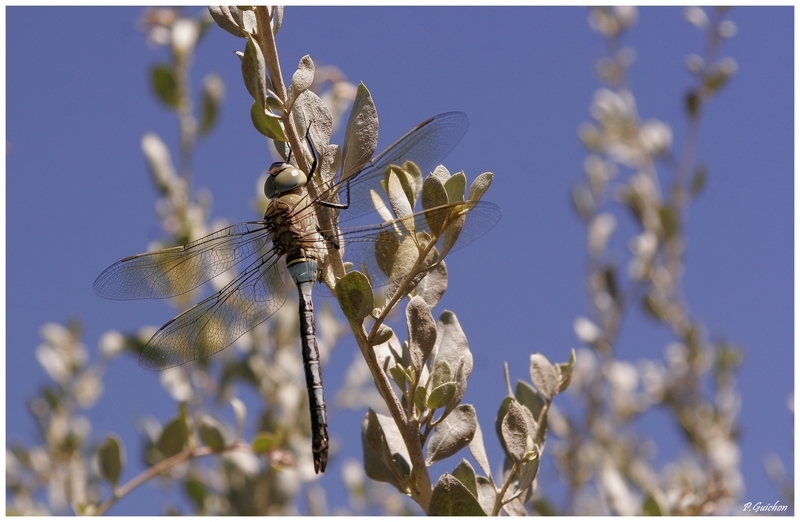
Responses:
[283,177]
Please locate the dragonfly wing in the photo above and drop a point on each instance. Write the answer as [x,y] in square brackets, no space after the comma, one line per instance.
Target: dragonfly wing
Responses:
[388,251]
[216,322]
[174,271]
[426,145]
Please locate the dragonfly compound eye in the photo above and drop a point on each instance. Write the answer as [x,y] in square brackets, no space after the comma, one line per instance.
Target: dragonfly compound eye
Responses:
[282,178]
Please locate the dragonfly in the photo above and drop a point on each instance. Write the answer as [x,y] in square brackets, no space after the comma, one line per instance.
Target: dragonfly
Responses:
[291,231]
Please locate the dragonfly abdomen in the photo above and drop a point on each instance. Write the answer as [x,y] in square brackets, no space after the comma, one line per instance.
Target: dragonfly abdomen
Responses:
[304,273]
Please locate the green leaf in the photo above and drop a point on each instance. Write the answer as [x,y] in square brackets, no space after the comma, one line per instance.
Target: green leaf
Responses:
[421,331]
[196,491]
[173,438]
[543,376]
[213,91]
[264,442]
[451,498]
[111,459]
[452,434]
[670,221]
[421,398]
[441,395]
[164,85]
[651,507]
[479,186]
[211,433]
[699,181]
[355,296]
[361,134]
[269,126]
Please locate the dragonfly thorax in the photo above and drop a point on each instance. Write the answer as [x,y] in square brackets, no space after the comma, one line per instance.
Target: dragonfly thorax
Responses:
[292,224]
[283,177]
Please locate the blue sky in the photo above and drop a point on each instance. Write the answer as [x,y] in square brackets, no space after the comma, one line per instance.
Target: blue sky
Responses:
[79,197]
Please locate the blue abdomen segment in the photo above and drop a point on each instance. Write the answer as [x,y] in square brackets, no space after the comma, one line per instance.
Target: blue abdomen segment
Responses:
[304,274]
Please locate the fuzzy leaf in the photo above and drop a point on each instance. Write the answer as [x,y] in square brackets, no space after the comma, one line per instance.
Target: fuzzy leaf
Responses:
[452,346]
[361,134]
[480,186]
[398,197]
[421,331]
[543,376]
[451,498]
[528,397]
[434,195]
[455,187]
[478,451]
[465,474]
[514,431]
[302,79]
[452,434]
[385,456]
[355,296]
[222,16]
[254,72]
[433,286]
[564,371]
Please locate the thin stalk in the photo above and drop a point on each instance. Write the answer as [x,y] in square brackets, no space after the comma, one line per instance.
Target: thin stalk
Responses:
[159,468]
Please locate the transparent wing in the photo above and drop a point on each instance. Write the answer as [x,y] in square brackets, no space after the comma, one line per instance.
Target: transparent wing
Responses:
[386,252]
[174,271]
[426,145]
[216,322]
